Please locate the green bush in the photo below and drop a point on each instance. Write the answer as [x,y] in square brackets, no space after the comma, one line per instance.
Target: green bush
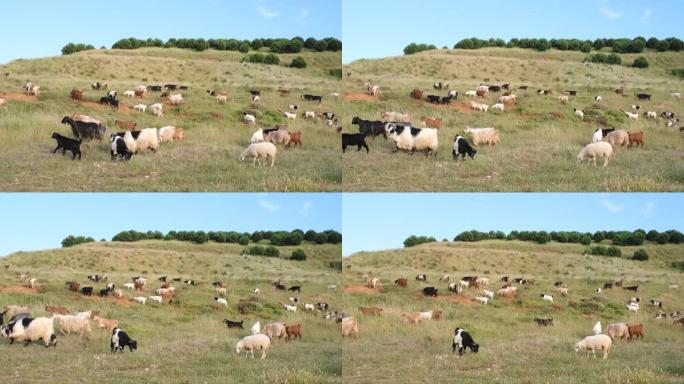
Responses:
[641,255]
[73,48]
[412,240]
[70,240]
[613,251]
[640,62]
[298,255]
[415,48]
[298,62]
[244,240]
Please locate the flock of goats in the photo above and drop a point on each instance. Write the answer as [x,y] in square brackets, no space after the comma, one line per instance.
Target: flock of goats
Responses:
[22,325]
[601,339]
[132,140]
[397,125]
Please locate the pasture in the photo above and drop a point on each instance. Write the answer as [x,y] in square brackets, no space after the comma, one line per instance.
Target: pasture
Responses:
[513,348]
[185,341]
[214,134]
[540,136]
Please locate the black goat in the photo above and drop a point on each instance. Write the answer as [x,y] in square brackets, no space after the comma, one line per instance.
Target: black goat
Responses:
[67,144]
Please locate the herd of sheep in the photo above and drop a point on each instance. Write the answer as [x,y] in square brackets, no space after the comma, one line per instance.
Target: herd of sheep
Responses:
[483,294]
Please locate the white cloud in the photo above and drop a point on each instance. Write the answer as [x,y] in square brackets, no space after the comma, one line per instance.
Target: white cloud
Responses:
[267,13]
[306,207]
[648,209]
[647,15]
[268,206]
[303,15]
[612,207]
[609,13]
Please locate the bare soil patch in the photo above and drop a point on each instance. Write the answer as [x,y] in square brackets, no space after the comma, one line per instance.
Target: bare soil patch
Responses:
[359,97]
[361,289]
[18,289]
[18,97]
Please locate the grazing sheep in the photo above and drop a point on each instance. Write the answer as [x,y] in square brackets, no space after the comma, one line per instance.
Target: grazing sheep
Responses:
[254,342]
[140,300]
[140,107]
[619,137]
[579,113]
[478,106]
[309,307]
[633,116]
[221,98]
[280,136]
[274,330]
[295,139]
[594,150]
[290,308]
[170,133]
[413,318]
[482,299]
[411,139]
[563,98]
[543,322]
[488,293]
[260,150]
[13,310]
[374,283]
[617,330]
[28,329]
[221,301]
[562,290]
[396,117]
[429,122]
[248,118]
[470,93]
[498,106]
[651,115]
[598,98]
[592,343]
[349,326]
[75,324]
[129,93]
[255,291]
[156,299]
[489,136]
[633,307]
[56,310]
[129,286]
[375,90]
[109,325]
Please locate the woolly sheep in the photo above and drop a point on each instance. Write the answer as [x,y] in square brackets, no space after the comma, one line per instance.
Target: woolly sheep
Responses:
[480,107]
[309,307]
[592,343]
[221,98]
[499,106]
[248,119]
[489,136]
[579,113]
[598,98]
[256,328]
[2,102]
[221,301]
[129,93]
[221,290]
[259,150]
[633,116]
[594,150]
[254,342]
[129,286]
[257,136]
[470,93]
[281,136]
[650,114]
[619,137]
[546,297]
[488,293]
[309,115]
[140,300]
[41,328]
[32,283]
[175,99]
[290,308]
[156,299]
[397,117]
[563,98]
[562,290]
[170,133]
[105,324]
[275,330]
[617,330]
[75,324]
[349,326]
[140,107]
[482,299]
[426,139]
[597,328]
[290,116]
[157,106]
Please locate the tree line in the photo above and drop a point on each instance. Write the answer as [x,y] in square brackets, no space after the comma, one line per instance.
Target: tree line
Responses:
[276,238]
[617,238]
[280,45]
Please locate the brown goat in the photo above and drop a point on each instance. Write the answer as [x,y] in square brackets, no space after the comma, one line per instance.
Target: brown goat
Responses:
[417,94]
[127,125]
[294,330]
[140,94]
[295,138]
[74,287]
[402,282]
[636,137]
[431,123]
[76,94]
[139,286]
[104,323]
[636,330]
[370,310]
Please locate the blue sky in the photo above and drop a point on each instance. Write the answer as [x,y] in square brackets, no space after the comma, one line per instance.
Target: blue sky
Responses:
[41,220]
[382,28]
[54,23]
[381,221]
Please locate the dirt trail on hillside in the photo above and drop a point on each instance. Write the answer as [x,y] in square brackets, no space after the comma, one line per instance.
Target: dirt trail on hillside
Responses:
[17,289]
[359,97]
[18,97]
[361,289]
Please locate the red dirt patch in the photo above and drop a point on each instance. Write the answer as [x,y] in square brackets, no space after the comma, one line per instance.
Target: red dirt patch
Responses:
[359,96]
[17,289]
[361,289]
[18,97]
[121,301]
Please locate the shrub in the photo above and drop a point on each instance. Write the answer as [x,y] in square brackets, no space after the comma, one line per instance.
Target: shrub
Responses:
[613,251]
[298,62]
[244,48]
[641,255]
[244,240]
[412,240]
[640,62]
[415,48]
[73,48]
[71,240]
[298,255]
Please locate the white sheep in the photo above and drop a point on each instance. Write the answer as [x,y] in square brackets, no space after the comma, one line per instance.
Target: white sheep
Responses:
[309,307]
[499,106]
[41,328]
[334,95]
[332,287]
[256,98]
[156,299]
[32,283]
[597,328]
[290,308]
[275,330]
[221,98]
[256,328]
[464,283]
[221,301]
[598,98]
[482,299]
[506,99]
[427,315]
[255,291]
[221,290]
[157,106]
[281,136]
[140,300]
[129,93]
[259,150]
[562,290]
[175,99]
[633,116]
[404,139]
[254,342]
[619,137]
[141,88]
[633,307]
[489,136]
[592,343]
[75,324]
[309,115]
[470,93]
[676,95]
[375,90]
[140,107]
[129,286]
[170,133]
[257,136]
[579,113]
[397,117]
[564,98]
[594,150]
[118,293]
[479,107]
[290,116]
[157,113]
[248,119]
[489,293]
[651,114]
[546,297]
[2,102]
[147,139]
[374,282]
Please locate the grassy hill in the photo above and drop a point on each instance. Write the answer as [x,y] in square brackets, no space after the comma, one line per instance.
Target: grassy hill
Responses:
[214,136]
[182,342]
[540,136]
[513,349]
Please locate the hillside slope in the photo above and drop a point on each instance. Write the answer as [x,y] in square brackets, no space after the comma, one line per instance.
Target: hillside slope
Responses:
[540,137]
[184,341]
[513,349]
[207,159]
